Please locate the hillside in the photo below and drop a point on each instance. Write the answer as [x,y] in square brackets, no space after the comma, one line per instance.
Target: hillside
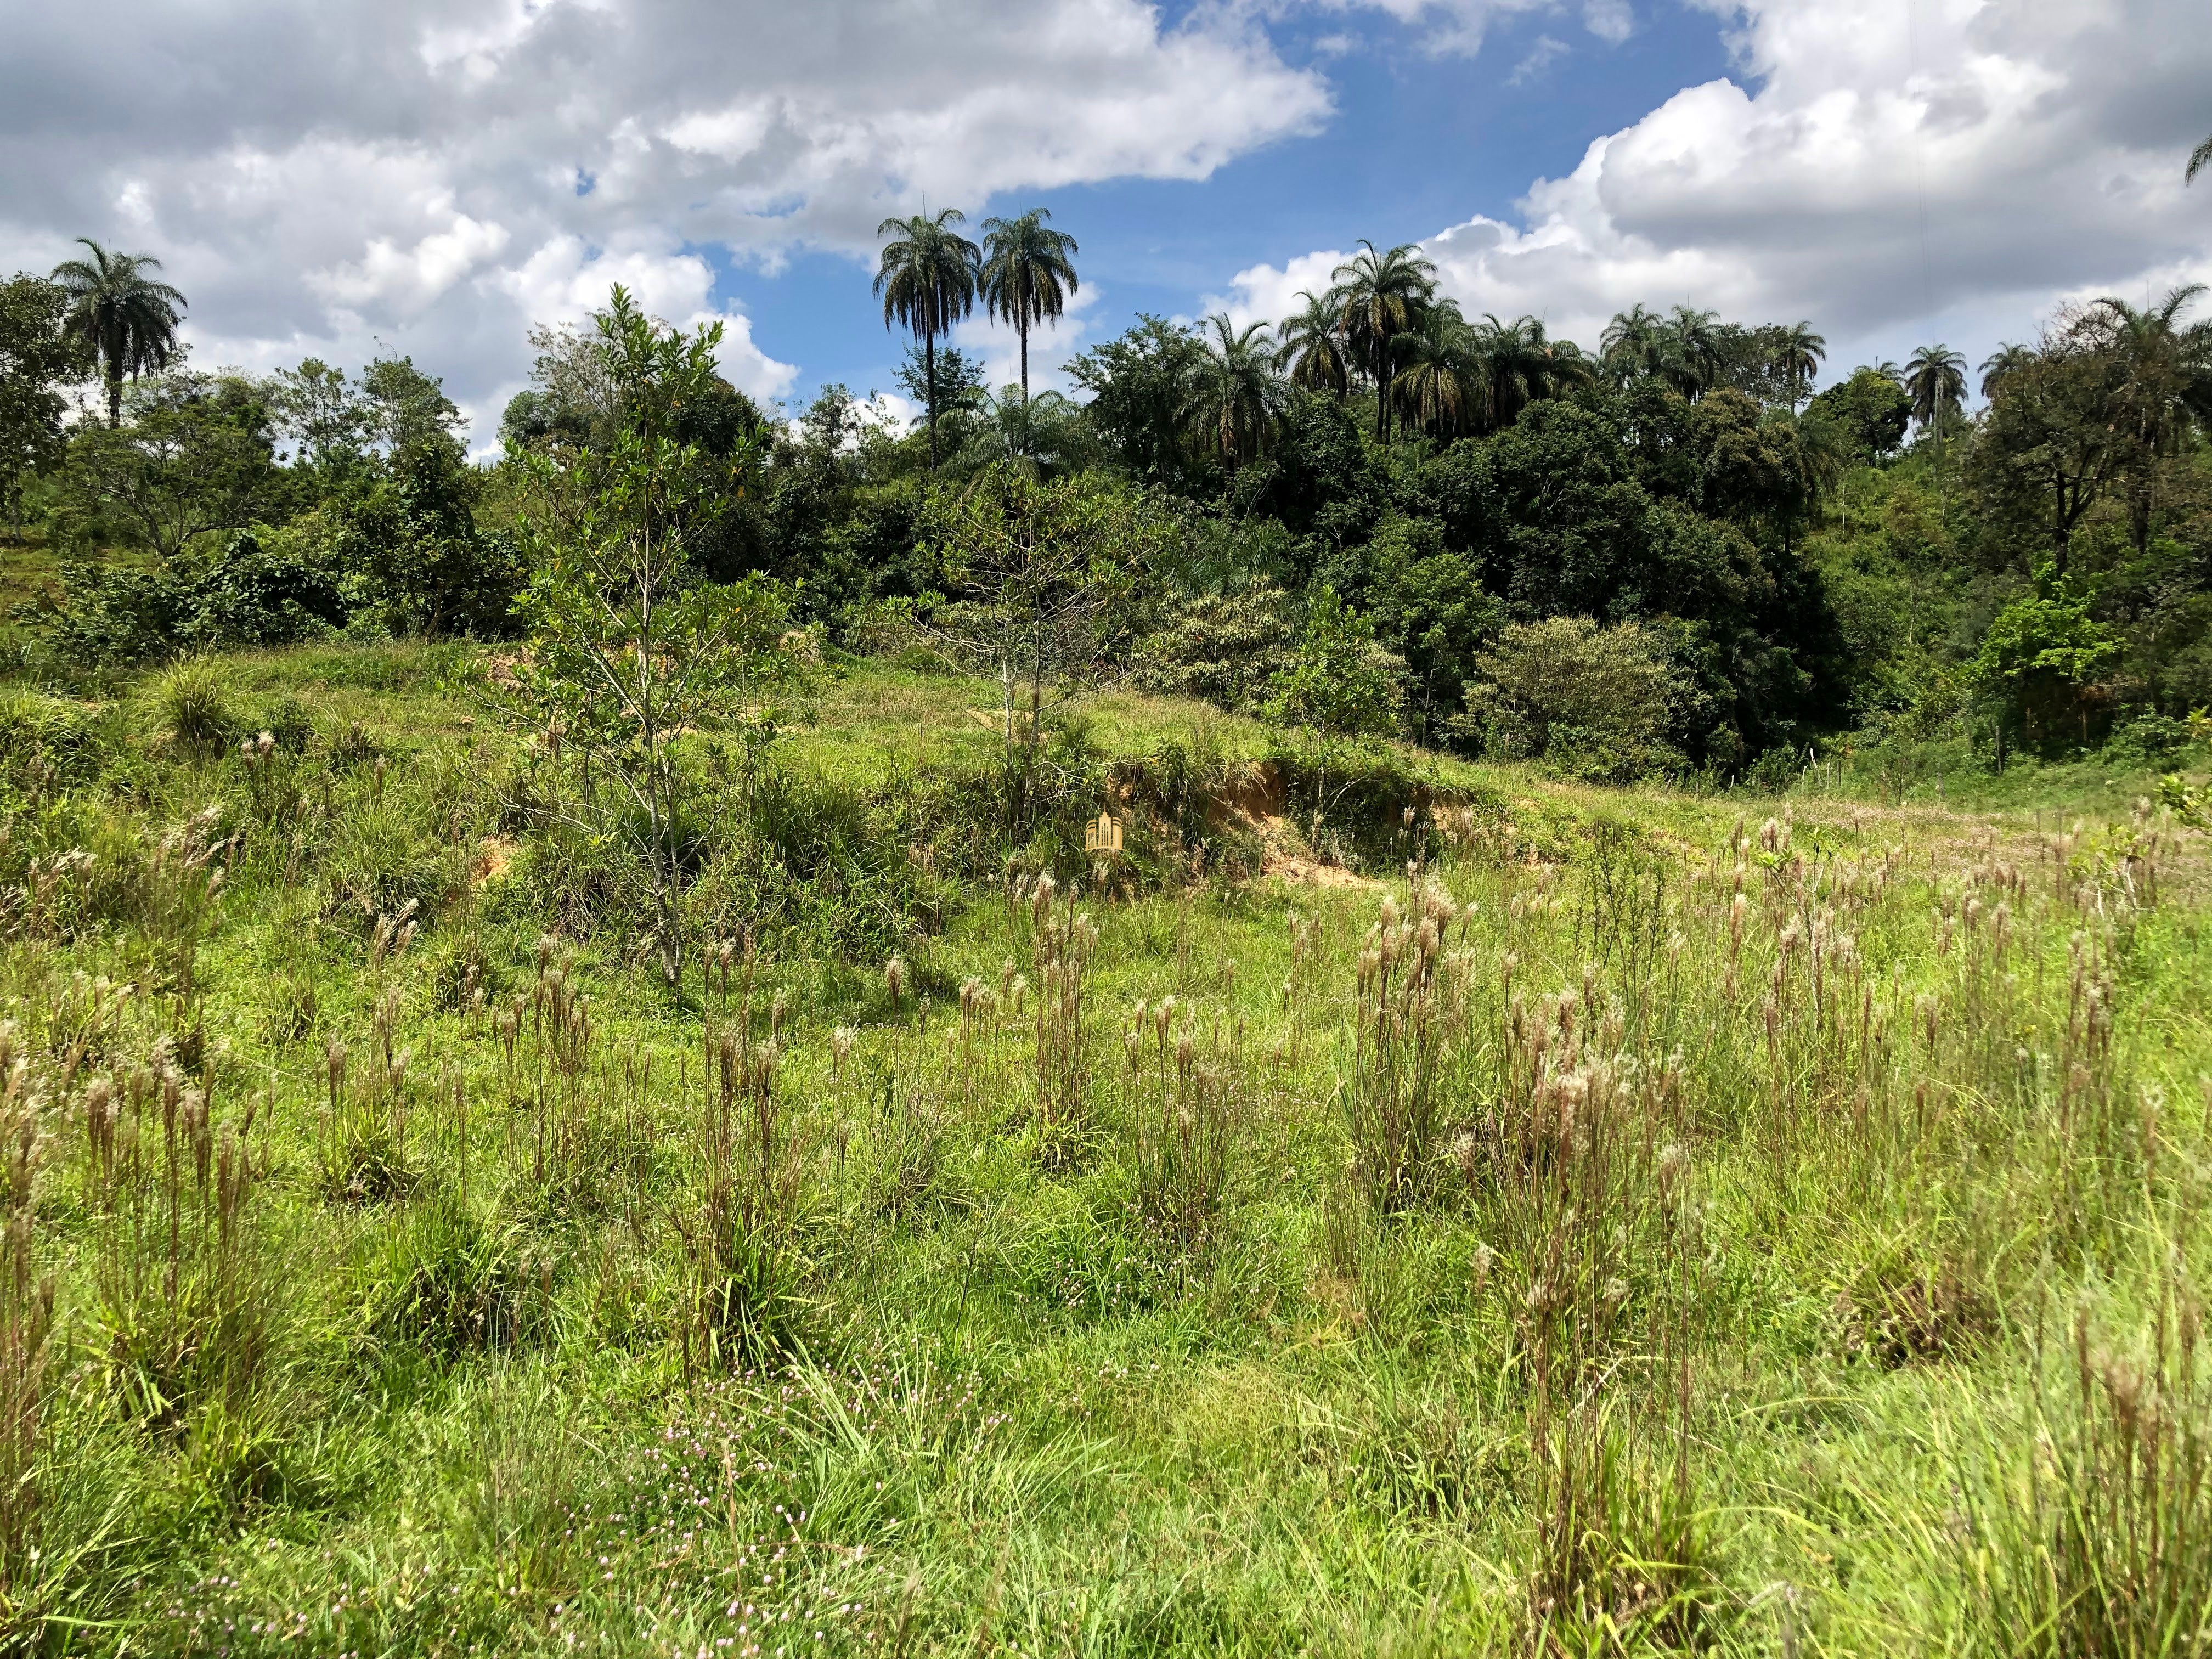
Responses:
[1501,1214]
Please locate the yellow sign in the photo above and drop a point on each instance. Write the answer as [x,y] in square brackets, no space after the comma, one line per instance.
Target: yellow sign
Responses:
[1103,836]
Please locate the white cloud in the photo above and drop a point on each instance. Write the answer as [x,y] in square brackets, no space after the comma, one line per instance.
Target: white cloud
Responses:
[437,174]
[1950,169]
[1051,345]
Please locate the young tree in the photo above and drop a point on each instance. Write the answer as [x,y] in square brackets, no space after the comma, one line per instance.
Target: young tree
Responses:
[123,315]
[37,357]
[629,648]
[197,456]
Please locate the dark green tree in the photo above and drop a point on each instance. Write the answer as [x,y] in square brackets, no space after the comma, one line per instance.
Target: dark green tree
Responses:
[123,314]
[1028,273]
[1379,295]
[38,357]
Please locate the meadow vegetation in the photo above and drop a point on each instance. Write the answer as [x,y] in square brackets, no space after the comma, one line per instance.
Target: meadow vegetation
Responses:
[1539,1219]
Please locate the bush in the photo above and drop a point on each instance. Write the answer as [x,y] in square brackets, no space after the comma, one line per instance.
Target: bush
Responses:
[1593,702]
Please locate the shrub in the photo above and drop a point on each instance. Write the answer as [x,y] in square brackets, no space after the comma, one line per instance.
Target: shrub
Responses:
[1593,701]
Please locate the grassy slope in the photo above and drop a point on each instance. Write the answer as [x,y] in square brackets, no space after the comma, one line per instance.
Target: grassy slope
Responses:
[1025,1416]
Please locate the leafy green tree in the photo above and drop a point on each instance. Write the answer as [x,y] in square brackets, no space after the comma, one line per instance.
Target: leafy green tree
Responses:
[128,319]
[629,648]
[1869,409]
[950,381]
[1138,384]
[1233,398]
[38,357]
[2160,386]
[1524,365]
[1313,347]
[415,558]
[195,456]
[1693,354]
[2047,452]
[319,412]
[926,279]
[1028,273]
[2042,654]
[1340,683]
[1379,295]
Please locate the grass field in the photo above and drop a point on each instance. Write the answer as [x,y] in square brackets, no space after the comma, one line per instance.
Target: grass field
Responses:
[1605,1222]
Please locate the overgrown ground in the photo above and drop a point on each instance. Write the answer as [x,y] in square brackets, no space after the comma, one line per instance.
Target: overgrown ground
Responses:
[1655,1223]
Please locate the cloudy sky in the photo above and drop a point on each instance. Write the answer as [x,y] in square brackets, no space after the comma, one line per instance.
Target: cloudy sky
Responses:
[327,176]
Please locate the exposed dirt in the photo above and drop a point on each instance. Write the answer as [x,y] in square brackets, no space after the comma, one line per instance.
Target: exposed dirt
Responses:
[492,859]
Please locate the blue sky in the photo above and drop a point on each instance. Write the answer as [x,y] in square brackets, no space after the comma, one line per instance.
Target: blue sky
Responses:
[1417,141]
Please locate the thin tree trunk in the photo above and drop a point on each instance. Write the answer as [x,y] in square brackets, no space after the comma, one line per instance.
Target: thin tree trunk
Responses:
[114,401]
[929,385]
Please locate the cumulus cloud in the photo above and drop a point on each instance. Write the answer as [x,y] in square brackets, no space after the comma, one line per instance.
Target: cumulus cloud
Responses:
[1953,167]
[437,174]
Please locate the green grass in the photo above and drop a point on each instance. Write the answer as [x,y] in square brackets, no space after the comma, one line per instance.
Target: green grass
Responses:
[1543,1295]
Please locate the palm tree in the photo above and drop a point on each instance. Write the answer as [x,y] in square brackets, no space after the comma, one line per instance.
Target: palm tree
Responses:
[1380,296]
[1441,380]
[1695,359]
[1798,353]
[1312,344]
[1234,397]
[1526,365]
[1936,380]
[928,281]
[2001,364]
[2199,158]
[2162,381]
[1634,343]
[1027,275]
[128,319]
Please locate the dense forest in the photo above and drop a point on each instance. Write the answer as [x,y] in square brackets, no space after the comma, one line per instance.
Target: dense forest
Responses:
[1666,555]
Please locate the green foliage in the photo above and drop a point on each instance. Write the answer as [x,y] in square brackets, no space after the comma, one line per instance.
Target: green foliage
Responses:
[2042,654]
[1341,683]
[1593,701]
[38,357]
[1870,409]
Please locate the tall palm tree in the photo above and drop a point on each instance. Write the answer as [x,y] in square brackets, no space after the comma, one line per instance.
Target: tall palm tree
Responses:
[1936,380]
[1311,342]
[1695,359]
[128,319]
[1234,396]
[1634,343]
[1027,275]
[1441,380]
[927,277]
[1380,296]
[2160,381]
[1798,353]
[2001,364]
[2199,158]
[1525,365]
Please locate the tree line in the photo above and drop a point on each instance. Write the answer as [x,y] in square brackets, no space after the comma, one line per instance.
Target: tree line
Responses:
[1484,531]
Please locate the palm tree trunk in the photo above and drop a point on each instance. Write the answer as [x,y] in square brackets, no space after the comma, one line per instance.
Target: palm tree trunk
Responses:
[1022,328]
[114,399]
[929,385]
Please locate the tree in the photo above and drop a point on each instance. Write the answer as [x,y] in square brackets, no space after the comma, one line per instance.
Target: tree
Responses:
[195,457]
[1595,700]
[1869,409]
[2161,382]
[37,356]
[123,315]
[2199,158]
[1027,275]
[2043,651]
[926,279]
[629,649]
[1694,355]
[2047,452]
[1936,380]
[2006,361]
[1525,366]
[1798,353]
[1233,398]
[1340,683]
[1380,296]
[1443,381]
[1634,343]
[1312,345]
[1139,385]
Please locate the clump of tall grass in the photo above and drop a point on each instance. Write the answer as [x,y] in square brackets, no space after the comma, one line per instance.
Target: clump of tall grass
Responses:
[191,707]
[1179,1092]
[27,1319]
[2097,1542]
